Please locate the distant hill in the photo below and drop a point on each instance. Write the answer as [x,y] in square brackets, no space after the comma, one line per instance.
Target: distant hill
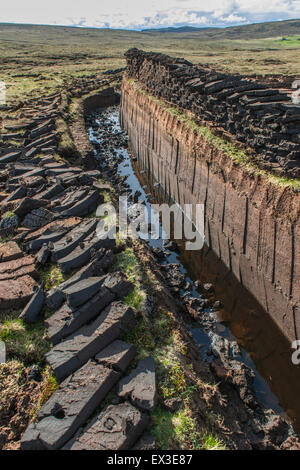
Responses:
[34,57]
[250,31]
[180,29]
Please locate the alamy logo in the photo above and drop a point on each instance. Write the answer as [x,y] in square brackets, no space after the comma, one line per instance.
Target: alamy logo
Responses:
[296,353]
[2,352]
[296,94]
[2,93]
[153,222]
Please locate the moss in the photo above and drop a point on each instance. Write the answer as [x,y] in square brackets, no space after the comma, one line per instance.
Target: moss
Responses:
[107,197]
[163,430]
[128,262]
[130,265]
[51,275]
[142,338]
[66,147]
[50,384]
[174,384]
[8,214]
[135,299]
[74,108]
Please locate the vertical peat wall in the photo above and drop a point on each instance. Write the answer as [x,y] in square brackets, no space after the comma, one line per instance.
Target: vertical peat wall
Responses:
[251,216]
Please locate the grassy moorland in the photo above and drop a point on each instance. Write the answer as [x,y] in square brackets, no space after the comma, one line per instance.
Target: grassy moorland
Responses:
[41,58]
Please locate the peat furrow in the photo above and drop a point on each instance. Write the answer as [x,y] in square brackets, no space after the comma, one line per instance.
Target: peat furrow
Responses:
[51,219]
[197,309]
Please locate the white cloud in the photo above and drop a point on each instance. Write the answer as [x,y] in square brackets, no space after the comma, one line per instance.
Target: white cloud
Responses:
[232,18]
[137,14]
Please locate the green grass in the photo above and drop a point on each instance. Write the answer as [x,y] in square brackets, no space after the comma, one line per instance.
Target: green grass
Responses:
[66,147]
[212,442]
[130,265]
[155,338]
[11,143]
[74,108]
[179,431]
[173,385]
[289,41]
[158,336]
[135,299]
[142,338]
[158,339]
[50,385]
[128,262]
[8,214]
[186,430]
[163,430]
[107,197]
[60,54]
[51,275]
[27,343]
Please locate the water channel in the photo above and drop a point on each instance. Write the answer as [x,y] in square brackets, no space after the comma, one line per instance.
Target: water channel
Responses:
[239,317]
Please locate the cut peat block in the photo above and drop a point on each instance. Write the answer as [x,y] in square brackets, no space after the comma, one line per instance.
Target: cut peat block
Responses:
[69,407]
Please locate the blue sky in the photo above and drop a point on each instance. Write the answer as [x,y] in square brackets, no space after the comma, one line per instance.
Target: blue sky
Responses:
[139,14]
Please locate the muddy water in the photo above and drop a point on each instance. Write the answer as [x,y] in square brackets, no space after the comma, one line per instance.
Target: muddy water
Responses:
[241,318]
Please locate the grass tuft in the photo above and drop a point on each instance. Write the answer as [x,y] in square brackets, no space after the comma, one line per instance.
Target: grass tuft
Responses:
[130,265]
[142,338]
[128,262]
[179,431]
[212,442]
[26,343]
[50,385]
[8,214]
[52,275]
[66,146]
[163,430]
[135,299]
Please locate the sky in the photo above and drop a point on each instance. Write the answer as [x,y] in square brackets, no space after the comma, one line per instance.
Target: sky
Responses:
[141,14]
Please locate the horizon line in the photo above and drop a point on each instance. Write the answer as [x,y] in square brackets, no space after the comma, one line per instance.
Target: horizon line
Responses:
[109,28]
